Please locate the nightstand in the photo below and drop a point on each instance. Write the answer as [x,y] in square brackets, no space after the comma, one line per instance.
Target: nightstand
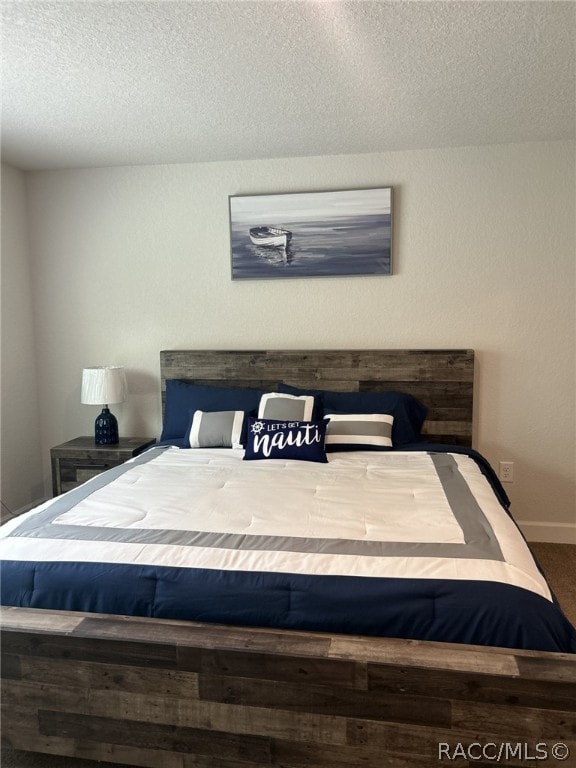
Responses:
[80,459]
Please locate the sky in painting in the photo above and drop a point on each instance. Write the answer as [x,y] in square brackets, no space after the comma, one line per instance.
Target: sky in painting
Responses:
[310,205]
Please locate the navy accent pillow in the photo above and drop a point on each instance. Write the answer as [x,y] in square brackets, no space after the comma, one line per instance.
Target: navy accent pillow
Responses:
[183,398]
[409,413]
[272,439]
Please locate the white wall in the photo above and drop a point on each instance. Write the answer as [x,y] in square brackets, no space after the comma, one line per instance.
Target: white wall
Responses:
[21,451]
[128,261]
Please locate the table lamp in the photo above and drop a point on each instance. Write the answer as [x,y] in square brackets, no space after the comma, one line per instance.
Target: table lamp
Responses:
[103,386]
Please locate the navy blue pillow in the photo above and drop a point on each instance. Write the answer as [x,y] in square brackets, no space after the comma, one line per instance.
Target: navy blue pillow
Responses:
[183,398]
[272,439]
[409,413]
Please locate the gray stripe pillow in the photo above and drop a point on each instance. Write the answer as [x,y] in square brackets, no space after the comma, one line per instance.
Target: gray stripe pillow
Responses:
[216,429]
[275,405]
[359,431]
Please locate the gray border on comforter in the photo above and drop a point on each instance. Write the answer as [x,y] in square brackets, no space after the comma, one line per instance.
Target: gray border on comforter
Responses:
[480,541]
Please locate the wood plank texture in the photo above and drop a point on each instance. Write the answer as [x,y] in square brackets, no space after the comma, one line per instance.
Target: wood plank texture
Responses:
[80,459]
[443,380]
[220,697]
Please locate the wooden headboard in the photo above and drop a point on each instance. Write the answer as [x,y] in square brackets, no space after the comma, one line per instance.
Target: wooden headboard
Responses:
[441,379]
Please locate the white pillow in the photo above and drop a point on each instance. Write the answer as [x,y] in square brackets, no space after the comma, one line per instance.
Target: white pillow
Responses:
[275,405]
[359,431]
[215,429]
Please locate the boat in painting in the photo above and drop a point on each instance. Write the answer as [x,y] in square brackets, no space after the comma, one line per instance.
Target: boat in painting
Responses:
[275,237]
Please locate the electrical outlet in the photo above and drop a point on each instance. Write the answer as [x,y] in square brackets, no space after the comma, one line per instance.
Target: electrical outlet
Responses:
[506,473]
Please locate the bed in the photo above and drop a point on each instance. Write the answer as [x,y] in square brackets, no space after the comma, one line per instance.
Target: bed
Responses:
[322,633]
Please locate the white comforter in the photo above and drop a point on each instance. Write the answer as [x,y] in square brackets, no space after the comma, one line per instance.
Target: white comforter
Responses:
[362,514]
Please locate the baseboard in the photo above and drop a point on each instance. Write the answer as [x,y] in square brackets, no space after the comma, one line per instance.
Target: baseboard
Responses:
[555,533]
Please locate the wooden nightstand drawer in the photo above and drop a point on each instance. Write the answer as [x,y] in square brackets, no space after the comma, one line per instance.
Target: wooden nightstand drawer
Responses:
[81,459]
[73,473]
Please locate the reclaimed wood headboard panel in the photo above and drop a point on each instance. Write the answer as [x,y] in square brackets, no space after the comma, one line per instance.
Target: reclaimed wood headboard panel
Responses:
[441,379]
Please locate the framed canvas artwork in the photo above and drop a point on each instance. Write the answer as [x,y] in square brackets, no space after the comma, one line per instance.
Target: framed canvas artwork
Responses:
[311,234]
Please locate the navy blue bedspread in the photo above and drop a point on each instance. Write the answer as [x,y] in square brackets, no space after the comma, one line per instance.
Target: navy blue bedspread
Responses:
[472,612]
[475,612]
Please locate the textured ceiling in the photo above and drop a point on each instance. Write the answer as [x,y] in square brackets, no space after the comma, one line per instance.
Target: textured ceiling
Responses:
[113,83]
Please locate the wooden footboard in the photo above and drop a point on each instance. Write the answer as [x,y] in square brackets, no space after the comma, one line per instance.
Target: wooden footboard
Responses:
[170,694]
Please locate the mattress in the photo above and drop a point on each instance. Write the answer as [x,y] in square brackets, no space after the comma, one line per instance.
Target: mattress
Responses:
[410,544]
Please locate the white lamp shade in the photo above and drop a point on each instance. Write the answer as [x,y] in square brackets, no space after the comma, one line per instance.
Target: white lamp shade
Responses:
[104,385]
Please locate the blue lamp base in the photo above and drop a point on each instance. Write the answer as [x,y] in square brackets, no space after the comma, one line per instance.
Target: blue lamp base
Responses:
[106,428]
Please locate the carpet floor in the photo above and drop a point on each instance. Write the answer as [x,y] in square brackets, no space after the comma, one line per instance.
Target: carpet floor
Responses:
[558,561]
